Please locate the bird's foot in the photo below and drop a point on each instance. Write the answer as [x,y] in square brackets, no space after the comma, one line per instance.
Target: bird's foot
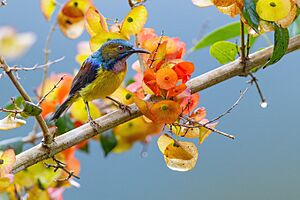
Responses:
[95,125]
[122,106]
[125,108]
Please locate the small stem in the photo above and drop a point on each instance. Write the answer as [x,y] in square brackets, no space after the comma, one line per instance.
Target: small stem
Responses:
[10,111]
[47,51]
[142,66]
[242,48]
[53,88]
[248,46]
[205,126]
[254,80]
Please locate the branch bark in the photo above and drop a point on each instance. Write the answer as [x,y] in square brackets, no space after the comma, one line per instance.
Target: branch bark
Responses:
[73,137]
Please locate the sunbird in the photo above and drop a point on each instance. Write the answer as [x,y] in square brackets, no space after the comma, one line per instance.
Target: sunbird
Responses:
[100,75]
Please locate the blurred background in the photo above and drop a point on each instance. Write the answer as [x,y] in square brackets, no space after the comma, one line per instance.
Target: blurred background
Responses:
[262,163]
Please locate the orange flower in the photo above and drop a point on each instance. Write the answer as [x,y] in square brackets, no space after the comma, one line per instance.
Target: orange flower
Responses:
[165,112]
[184,70]
[166,78]
[176,90]
[150,81]
[162,112]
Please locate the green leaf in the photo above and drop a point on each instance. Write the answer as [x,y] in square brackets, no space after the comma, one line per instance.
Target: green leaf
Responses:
[14,143]
[108,142]
[223,33]
[64,124]
[31,109]
[129,82]
[250,14]
[281,42]
[18,101]
[224,51]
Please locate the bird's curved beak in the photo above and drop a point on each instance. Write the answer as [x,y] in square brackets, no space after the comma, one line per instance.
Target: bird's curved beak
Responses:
[139,50]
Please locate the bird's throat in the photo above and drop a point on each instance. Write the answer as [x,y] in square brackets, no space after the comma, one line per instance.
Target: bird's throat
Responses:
[120,66]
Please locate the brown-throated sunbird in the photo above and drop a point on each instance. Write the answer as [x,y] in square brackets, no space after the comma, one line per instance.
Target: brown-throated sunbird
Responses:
[100,75]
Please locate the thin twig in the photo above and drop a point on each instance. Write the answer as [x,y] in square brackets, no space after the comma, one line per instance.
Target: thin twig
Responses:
[47,137]
[255,81]
[52,89]
[47,51]
[155,52]
[231,108]
[15,68]
[205,126]
[60,165]
[15,112]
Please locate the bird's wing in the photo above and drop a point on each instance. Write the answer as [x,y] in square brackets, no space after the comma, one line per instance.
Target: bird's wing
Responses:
[86,75]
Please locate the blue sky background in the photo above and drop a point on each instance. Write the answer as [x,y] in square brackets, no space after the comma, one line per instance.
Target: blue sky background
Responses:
[262,163]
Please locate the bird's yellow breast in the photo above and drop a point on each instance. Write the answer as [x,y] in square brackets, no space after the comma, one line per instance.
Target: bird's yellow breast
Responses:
[104,85]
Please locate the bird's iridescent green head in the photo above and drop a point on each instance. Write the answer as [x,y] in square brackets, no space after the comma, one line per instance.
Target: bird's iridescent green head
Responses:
[116,50]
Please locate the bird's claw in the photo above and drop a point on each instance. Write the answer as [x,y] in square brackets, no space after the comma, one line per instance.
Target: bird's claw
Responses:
[125,108]
[94,125]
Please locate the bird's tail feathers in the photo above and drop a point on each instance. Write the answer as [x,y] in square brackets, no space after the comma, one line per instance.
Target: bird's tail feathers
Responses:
[63,107]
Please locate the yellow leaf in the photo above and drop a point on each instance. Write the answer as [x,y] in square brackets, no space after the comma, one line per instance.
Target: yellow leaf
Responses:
[36,193]
[80,58]
[136,129]
[134,21]
[273,10]
[179,156]
[123,95]
[79,113]
[48,7]
[164,141]
[11,122]
[204,132]
[7,160]
[285,22]
[95,22]
[4,183]
[99,39]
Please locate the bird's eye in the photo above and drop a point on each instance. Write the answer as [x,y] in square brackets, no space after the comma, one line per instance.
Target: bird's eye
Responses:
[120,48]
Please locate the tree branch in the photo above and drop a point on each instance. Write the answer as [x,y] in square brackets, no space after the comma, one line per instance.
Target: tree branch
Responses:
[26,97]
[75,136]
